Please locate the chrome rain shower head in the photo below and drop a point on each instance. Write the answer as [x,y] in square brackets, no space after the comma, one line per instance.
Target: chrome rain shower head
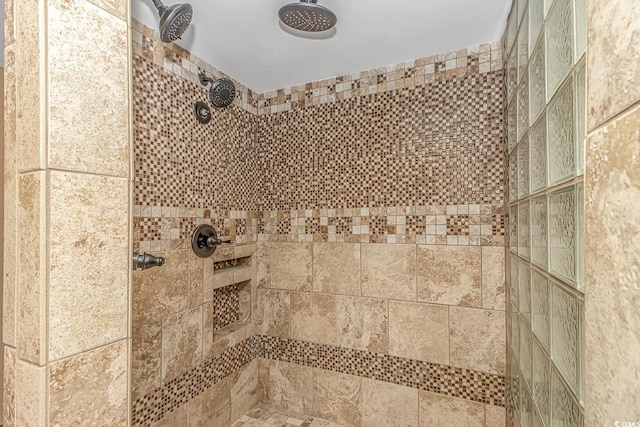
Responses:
[307,15]
[174,20]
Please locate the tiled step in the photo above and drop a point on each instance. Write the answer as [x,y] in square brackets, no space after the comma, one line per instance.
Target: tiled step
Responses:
[263,415]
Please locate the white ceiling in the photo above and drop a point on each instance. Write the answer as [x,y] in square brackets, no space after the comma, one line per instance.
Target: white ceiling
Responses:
[243,38]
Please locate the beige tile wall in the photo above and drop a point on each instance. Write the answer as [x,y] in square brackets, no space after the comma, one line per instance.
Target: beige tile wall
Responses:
[67,181]
[612,218]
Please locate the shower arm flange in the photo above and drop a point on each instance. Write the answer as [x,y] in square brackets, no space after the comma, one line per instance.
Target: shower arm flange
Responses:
[204,80]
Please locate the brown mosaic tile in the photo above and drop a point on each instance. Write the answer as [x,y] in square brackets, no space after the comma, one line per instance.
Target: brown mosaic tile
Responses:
[226,303]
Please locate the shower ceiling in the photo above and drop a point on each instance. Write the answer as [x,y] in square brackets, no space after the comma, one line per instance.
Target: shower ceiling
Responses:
[245,40]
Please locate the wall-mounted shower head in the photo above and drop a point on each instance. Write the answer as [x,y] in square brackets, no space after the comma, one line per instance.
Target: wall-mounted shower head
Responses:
[307,15]
[222,91]
[174,20]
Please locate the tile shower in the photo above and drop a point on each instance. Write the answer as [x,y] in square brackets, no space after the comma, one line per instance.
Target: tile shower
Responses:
[369,210]
[546,109]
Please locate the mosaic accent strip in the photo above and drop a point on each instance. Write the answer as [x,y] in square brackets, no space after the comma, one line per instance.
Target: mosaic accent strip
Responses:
[449,380]
[408,75]
[153,406]
[469,225]
[226,300]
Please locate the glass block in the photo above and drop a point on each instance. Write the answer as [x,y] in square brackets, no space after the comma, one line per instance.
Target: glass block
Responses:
[538,155]
[526,406]
[513,283]
[512,73]
[536,18]
[513,177]
[515,388]
[537,421]
[565,335]
[537,89]
[512,27]
[540,308]
[547,6]
[513,229]
[580,230]
[581,112]
[523,47]
[515,336]
[581,27]
[512,125]
[522,7]
[523,108]
[524,291]
[526,353]
[560,136]
[524,243]
[539,233]
[523,167]
[558,44]
[541,381]
[562,234]
[564,410]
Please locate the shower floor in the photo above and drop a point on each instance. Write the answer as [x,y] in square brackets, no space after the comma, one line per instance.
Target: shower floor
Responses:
[263,415]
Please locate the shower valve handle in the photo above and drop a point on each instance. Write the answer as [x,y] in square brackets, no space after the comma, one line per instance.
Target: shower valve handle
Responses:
[213,241]
[204,240]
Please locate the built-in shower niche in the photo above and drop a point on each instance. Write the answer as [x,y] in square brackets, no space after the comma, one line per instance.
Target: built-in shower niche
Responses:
[232,272]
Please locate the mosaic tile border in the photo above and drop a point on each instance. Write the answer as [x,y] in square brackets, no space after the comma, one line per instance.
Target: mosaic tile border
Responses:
[448,380]
[153,406]
[482,59]
[182,63]
[451,381]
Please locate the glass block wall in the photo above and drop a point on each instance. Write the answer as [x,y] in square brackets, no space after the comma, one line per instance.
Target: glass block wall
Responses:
[546,44]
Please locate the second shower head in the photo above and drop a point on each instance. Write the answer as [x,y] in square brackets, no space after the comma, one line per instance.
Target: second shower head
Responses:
[174,20]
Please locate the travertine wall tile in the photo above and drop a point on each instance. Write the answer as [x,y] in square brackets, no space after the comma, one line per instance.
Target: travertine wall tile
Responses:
[10,193]
[118,8]
[337,397]
[9,22]
[32,268]
[93,229]
[313,318]
[389,271]
[291,266]
[195,270]
[286,385]
[9,387]
[363,323]
[208,331]
[105,403]
[75,28]
[450,275]
[385,404]
[244,389]
[30,394]
[211,408]
[273,312]
[146,358]
[179,417]
[181,342]
[612,260]
[439,410]
[612,60]
[493,278]
[478,339]
[336,268]
[494,416]
[419,331]
[162,291]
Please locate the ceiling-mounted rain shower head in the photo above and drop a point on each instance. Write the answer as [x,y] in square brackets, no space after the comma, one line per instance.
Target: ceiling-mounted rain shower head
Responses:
[307,15]
[222,91]
[174,20]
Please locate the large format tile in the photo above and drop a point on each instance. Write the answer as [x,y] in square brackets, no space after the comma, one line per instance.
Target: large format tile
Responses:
[211,408]
[78,29]
[337,397]
[419,331]
[336,268]
[273,312]
[613,58]
[244,389]
[363,323]
[478,339]
[612,249]
[493,278]
[88,301]
[450,275]
[313,318]
[291,266]
[437,410]
[146,358]
[389,271]
[181,343]
[286,385]
[386,404]
[90,388]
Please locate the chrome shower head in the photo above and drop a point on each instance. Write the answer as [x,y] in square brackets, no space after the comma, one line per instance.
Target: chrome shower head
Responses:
[174,20]
[307,15]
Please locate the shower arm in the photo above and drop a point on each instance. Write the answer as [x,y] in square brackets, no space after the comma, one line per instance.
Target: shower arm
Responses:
[158,4]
